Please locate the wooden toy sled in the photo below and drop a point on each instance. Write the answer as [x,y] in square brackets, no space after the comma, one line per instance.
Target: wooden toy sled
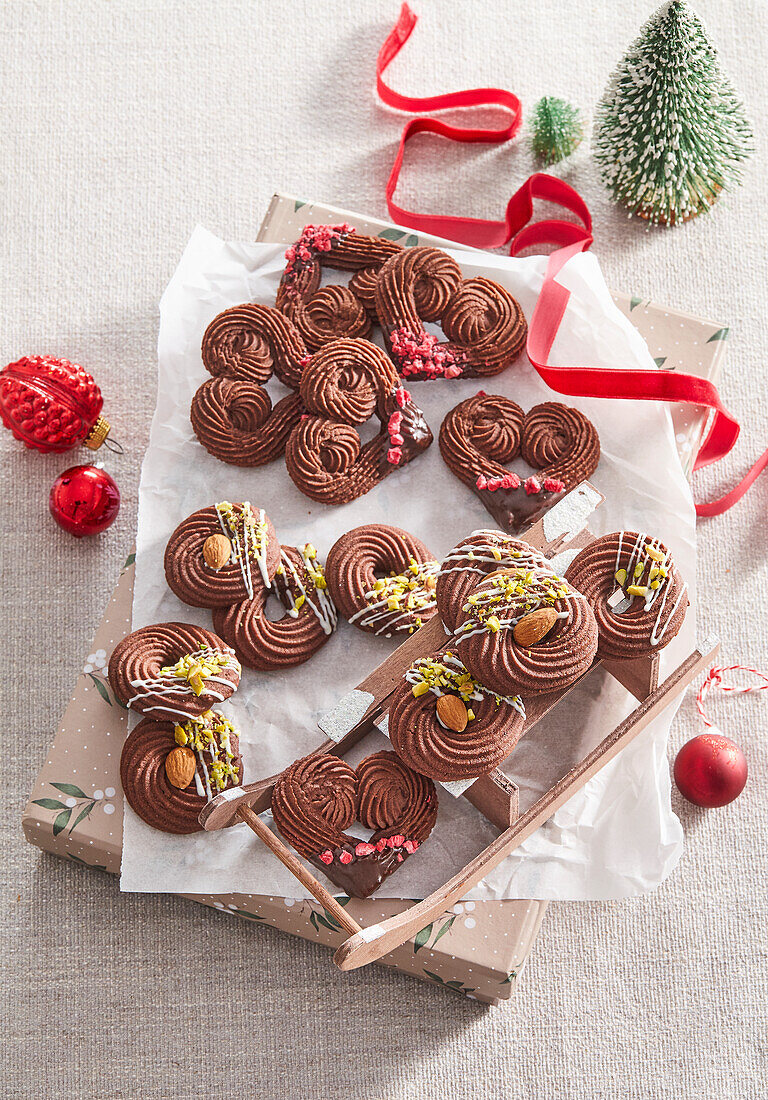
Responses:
[559,535]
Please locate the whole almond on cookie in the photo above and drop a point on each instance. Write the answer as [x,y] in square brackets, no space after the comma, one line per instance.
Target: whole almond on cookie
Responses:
[534,627]
[180,765]
[452,712]
[217,550]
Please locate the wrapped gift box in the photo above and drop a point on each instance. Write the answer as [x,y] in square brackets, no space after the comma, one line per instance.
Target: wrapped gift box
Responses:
[75,810]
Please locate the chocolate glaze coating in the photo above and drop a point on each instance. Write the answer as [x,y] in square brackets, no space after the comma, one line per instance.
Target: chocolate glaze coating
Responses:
[499,662]
[476,556]
[440,753]
[267,645]
[362,555]
[195,582]
[145,783]
[639,630]
[136,661]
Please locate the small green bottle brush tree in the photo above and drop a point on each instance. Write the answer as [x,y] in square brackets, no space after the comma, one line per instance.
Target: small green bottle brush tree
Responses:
[670,131]
[556,129]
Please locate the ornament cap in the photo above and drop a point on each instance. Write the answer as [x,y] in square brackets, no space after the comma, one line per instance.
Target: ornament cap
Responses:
[97,434]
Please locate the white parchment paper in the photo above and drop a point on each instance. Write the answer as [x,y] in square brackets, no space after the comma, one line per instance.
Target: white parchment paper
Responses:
[618,836]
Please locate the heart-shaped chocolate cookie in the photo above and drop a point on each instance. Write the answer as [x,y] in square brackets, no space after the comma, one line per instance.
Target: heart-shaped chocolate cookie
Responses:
[482,435]
[320,796]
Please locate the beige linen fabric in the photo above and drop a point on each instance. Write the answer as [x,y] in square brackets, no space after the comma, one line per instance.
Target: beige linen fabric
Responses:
[125,124]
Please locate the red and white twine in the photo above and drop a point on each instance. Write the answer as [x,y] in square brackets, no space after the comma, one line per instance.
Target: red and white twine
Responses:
[713,681]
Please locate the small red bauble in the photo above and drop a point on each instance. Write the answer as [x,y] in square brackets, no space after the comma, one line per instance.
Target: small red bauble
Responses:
[51,404]
[710,770]
[84,500]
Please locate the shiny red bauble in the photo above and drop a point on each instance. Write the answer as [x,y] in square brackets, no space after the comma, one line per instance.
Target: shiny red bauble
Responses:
[84,500]
[51,404]
[710,770]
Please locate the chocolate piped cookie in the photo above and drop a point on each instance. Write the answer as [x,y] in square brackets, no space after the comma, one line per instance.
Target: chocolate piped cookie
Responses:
[170,770]
[484,325]
[318,797]
[526,630]
[447,725]
[173,670]
[476,556]
[252,342]
[232,414]
[382,579]
[222,555]
[310,617]
[322,314]
[482,435]
[635,591]
[236,422]
[344,384]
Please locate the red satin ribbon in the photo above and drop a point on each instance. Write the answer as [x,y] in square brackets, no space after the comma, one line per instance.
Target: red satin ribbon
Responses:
[520,232]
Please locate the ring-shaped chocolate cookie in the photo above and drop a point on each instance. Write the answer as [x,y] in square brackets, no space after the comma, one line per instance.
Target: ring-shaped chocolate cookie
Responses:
[488,641]
[329,313]
[173,670]
[495,723]
[635,590]
[146,785]
[309,620]
[484,433]
[476,556]
[325,457]
[246,565]
[382,579]
[484,325]
[252,342]
[319,796]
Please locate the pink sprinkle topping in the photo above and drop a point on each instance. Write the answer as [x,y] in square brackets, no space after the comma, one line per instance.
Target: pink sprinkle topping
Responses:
[363,849]
[381,845]
[397,439]
[345,857]
[395,421]
[494,483]
[313,239]
[482,482]
[532,485]
[394,454]
[326,856]
[396,841]
[400,857]
[402,396]
[305,360]
[481,393]
[410,846]
[422,354]
[553,485]
[508,481]
[511,481]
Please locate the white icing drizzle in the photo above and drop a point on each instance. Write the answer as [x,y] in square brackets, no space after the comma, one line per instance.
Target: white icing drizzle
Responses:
[453,663]
[316,598]
[480,555]
[535,596]
[171,683]
[377,608]
[192,727]
[654,594]
[253,544]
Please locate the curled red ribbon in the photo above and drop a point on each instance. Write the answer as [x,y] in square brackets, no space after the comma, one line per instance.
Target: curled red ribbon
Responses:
[521,232]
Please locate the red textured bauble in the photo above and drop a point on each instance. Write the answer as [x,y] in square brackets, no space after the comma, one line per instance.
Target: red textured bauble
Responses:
[84,500]
[51,404]
[710,770]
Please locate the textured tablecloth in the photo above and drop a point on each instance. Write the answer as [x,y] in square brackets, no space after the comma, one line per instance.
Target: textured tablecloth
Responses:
[125,124]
